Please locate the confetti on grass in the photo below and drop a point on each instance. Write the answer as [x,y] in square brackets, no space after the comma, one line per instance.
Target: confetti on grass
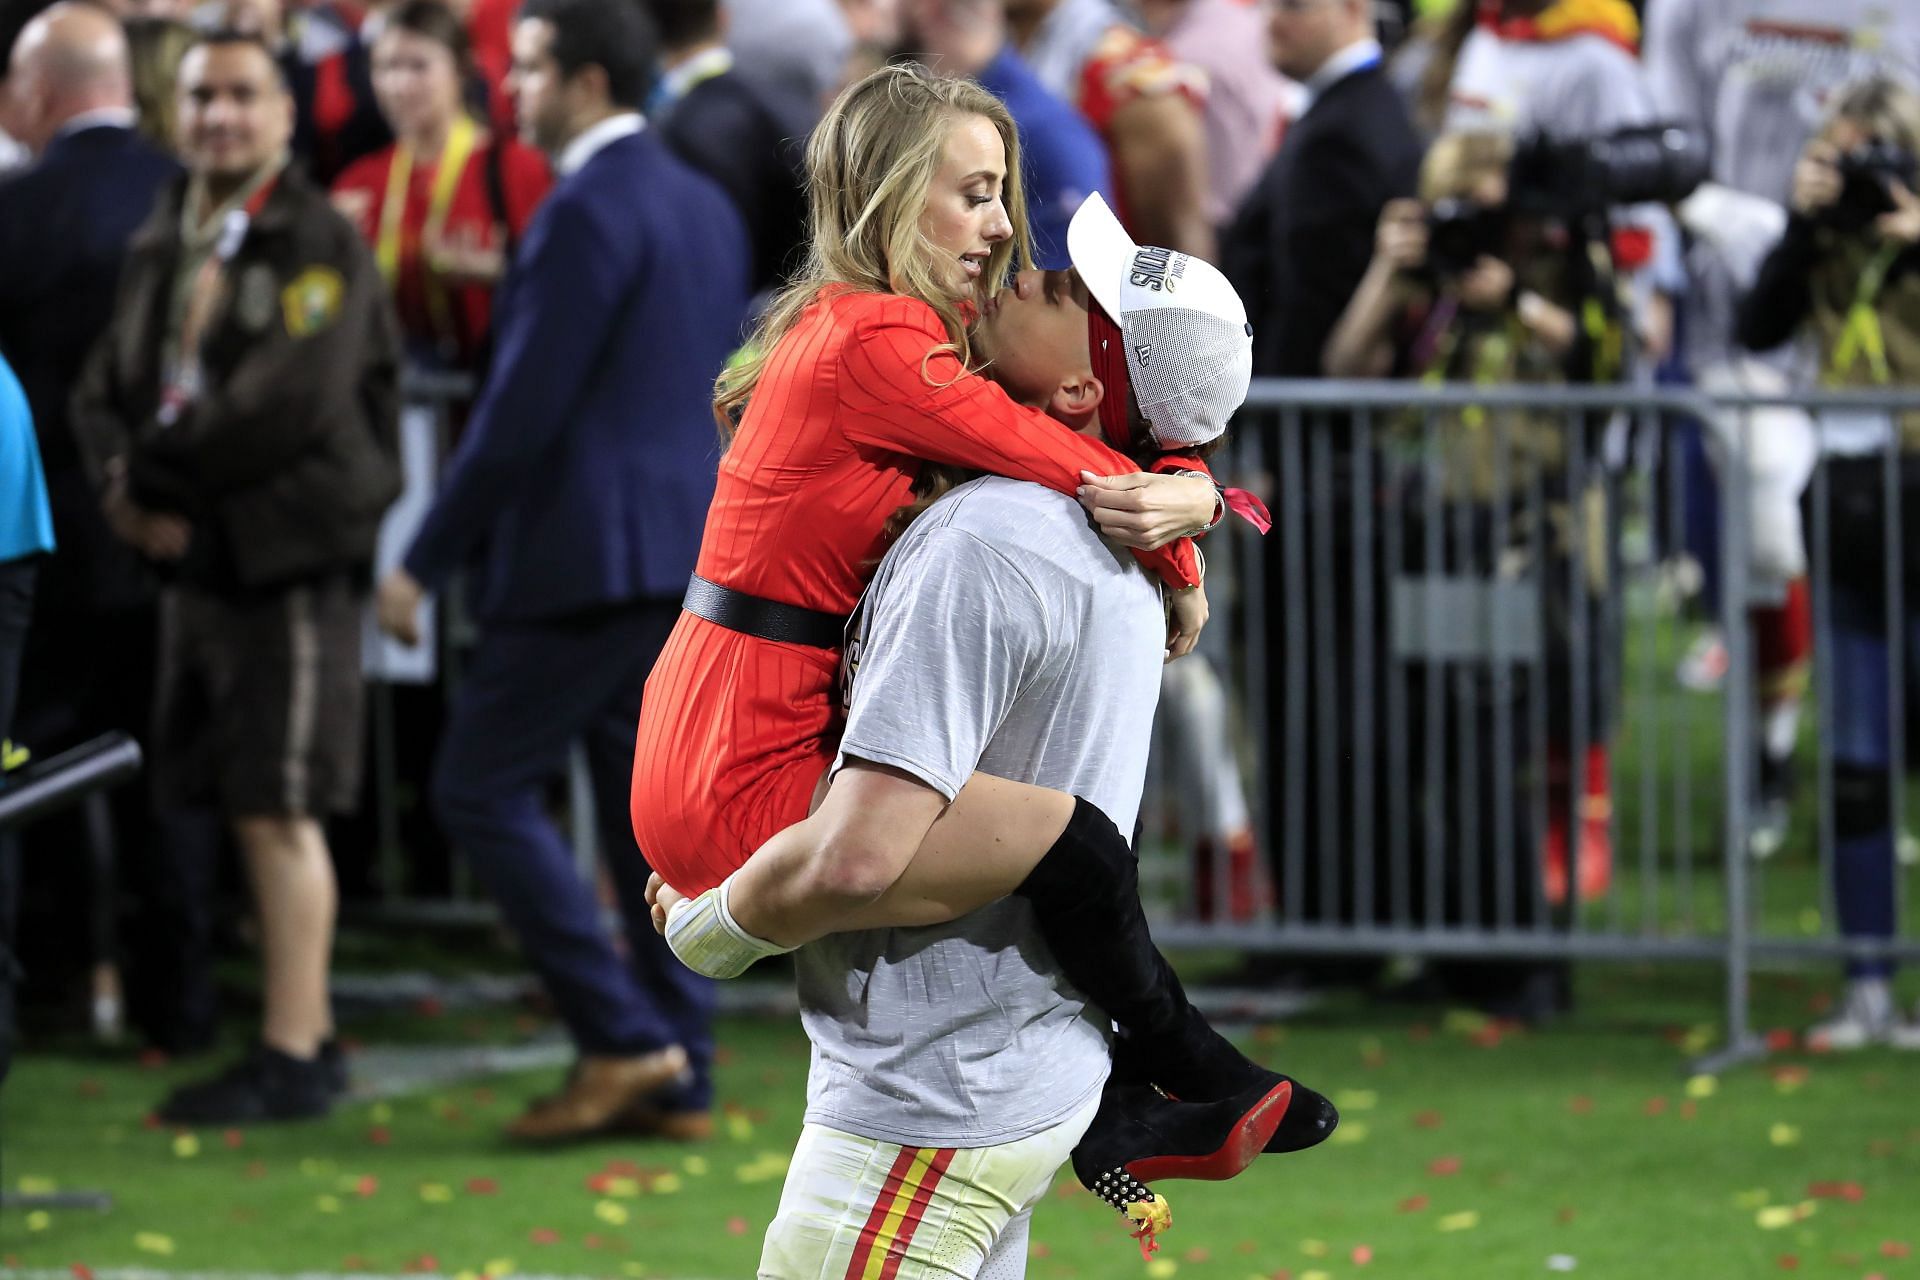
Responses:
[1466,1220]
[153,1242]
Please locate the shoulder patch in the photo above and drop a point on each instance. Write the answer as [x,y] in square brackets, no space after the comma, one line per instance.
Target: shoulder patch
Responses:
[312,300]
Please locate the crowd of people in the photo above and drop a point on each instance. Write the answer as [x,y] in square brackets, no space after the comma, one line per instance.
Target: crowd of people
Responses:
[230,233]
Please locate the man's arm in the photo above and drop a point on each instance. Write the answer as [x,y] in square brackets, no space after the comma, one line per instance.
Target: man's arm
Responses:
[1160,163]
[570,281]
[953,634]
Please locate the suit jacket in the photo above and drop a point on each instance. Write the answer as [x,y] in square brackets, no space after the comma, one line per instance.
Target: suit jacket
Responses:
[64,228]
[751,138]
[65,223]
[1303,238]
[585,472]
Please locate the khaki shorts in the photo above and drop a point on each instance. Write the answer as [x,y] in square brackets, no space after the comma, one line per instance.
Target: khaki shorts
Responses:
[260,702]
[857,1208]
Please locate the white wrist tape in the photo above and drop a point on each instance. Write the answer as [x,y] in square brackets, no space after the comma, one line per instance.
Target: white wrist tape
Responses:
[704,934]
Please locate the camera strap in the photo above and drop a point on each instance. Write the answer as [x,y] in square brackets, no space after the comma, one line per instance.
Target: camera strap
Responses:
[1861,334]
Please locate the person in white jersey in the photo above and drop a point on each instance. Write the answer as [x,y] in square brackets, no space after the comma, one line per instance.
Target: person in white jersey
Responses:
[954,1071]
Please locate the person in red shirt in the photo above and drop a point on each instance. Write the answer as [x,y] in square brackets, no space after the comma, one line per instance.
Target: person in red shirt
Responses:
[443,205]
[859,373]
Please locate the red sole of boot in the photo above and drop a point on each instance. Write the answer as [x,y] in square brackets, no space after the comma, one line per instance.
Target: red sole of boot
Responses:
[1242,1147]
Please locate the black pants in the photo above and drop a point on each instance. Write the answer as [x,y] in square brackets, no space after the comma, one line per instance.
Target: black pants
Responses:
[16,608]
[88,669]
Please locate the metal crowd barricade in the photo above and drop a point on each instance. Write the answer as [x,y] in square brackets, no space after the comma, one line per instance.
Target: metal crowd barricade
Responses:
[1468,590]
[431,403]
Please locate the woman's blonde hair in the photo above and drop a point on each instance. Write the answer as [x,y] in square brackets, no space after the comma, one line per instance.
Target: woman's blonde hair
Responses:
[1882,106]
[155,47]
[871,162]
[1457,161]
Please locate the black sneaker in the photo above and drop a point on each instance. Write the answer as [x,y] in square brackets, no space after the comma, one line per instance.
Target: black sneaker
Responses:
[265,1085]
[333,1059]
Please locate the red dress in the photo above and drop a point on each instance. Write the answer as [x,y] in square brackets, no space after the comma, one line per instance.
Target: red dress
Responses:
[735,731]
[449,319]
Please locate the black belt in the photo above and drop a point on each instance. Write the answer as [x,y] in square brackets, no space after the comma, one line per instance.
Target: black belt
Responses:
[765,619]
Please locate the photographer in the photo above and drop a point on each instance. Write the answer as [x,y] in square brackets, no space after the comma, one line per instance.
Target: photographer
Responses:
[1847,273]
[1427,310]
[1468,285]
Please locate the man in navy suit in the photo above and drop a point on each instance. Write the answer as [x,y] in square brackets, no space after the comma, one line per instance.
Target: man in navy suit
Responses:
[580,487]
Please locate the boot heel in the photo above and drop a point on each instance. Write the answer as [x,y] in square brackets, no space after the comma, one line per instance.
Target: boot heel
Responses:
[1246,1140]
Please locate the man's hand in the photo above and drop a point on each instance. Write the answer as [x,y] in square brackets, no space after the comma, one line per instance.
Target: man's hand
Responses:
[398,606]
[1146,510]
[157,535]
[1903,224]
[660,899]
[1186,617]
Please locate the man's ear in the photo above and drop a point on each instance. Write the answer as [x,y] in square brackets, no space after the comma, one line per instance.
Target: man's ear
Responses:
[1076,399]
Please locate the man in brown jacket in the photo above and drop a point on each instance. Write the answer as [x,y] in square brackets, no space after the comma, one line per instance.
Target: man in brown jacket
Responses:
[240,420]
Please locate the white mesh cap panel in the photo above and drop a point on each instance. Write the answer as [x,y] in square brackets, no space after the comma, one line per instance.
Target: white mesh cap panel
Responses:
[1190,370]
[1189,346]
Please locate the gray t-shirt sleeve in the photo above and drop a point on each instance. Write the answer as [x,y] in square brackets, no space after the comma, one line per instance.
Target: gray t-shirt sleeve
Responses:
[951,634]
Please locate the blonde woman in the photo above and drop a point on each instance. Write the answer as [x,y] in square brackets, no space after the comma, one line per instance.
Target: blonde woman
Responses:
[862,373]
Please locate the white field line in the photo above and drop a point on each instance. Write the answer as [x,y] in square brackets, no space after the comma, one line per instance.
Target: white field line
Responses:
[148,1273]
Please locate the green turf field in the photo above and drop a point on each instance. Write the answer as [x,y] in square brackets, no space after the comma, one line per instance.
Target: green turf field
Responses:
[1467,1151]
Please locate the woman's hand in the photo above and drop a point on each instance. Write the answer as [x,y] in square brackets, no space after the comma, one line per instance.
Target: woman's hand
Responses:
[1903,224]
[1400,241]
[1186,618]
[660,899]
[1147,511]
[1816,179]
[1553,325]
[1488,286]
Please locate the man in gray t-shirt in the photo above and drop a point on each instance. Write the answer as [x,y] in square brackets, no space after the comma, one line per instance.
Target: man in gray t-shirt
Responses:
[955,1069]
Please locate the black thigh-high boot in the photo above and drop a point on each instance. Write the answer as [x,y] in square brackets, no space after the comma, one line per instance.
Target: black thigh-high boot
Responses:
[1086,900]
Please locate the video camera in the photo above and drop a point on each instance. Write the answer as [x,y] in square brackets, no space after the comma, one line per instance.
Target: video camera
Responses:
[1656,163]
[1865,172]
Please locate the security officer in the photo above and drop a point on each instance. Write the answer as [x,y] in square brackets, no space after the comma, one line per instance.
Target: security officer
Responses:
[240,420]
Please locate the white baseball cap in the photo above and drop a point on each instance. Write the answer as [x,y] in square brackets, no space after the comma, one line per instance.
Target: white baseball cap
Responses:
[1189,348]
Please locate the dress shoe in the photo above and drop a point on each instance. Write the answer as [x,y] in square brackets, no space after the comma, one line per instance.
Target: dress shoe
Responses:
[646,1121]
[598,1093]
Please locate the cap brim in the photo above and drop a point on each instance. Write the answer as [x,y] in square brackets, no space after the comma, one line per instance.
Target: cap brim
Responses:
[1102,252]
